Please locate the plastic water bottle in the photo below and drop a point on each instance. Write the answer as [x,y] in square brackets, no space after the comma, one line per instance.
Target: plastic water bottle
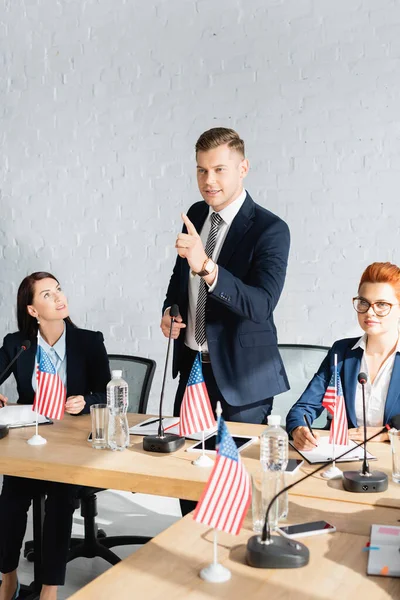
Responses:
[274,458]
[117,402]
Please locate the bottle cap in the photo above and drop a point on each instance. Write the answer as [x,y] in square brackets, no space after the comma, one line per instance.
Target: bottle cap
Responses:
[274,420]
[116,374]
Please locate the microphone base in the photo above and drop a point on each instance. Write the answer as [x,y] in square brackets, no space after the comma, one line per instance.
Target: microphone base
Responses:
[167,444]
[355,481]
[3,431]
[281,553]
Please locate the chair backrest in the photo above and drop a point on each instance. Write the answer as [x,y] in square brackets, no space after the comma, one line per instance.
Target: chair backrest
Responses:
[301,363]
[138,372]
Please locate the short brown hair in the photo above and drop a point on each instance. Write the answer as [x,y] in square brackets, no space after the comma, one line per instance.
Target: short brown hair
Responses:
[380,272]
[219,136]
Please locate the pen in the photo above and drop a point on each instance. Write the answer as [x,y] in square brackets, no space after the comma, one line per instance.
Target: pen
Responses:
[148,422]
[309,426]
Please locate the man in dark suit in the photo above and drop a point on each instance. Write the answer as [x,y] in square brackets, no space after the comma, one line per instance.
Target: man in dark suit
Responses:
[227,279]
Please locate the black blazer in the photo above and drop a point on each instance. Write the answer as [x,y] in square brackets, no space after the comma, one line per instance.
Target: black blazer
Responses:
[241,333]
[88,369]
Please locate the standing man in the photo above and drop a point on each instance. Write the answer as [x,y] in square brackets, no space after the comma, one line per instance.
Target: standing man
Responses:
[227,279]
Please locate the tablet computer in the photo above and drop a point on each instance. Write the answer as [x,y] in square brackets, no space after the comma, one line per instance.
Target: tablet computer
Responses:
[241,441]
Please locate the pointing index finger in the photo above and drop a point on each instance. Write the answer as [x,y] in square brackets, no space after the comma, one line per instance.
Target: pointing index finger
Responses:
[189,225]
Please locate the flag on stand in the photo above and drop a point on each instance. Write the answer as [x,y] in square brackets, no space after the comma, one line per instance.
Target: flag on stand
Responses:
[196,412]
[50,394]
[227,495]
[333,401]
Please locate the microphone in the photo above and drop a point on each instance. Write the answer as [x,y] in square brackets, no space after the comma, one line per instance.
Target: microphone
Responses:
[365,480]
[276,552]
[24,346]
[164,442]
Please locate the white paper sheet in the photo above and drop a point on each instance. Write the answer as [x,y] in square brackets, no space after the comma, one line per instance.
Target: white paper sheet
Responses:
[324,452]
[20,415]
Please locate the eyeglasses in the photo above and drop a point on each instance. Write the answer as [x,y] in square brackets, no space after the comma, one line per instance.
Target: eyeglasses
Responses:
[381,309]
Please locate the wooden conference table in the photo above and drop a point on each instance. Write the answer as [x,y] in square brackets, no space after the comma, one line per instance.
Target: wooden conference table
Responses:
[69,458]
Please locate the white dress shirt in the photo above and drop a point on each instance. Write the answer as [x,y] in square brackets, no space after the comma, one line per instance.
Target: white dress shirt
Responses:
[58,357]
[376,392]
[227,214]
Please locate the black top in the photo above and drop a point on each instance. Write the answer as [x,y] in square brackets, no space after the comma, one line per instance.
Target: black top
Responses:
[88,370]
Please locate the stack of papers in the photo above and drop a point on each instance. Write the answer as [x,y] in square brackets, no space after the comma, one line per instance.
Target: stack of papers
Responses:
[19,415]
[384,551]
[324,452]
[170,424]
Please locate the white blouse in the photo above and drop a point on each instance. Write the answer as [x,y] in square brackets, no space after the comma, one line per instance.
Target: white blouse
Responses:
[376,392]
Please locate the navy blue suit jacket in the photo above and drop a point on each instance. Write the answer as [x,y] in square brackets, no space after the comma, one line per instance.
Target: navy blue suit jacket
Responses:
[349,362]
[241,333]
[88,370]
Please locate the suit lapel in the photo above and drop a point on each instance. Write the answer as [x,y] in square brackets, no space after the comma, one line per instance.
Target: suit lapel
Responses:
[25,366]
[352,363]
[240,225]
[73,359]
[392,405]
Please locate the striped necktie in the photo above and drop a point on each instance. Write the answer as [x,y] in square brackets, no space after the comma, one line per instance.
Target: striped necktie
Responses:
[200,326]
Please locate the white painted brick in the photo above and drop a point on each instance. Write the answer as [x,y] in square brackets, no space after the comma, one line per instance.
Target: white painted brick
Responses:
[102,104]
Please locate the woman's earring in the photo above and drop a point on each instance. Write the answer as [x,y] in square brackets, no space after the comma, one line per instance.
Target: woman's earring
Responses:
[38,322]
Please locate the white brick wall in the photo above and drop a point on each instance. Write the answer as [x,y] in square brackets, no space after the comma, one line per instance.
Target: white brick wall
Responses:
[102,101]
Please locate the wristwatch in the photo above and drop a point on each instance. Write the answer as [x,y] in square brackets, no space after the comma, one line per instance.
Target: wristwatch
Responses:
[207,268]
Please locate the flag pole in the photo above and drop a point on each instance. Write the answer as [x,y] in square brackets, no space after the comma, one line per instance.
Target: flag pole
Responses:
[215,572]
[37,440]
[334,472]
[203,460]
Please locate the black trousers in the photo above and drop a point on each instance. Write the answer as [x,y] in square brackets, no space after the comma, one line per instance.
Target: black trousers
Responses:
[249,413]
[15,499]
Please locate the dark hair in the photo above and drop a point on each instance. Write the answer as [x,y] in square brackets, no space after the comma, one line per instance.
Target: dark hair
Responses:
[219,136]
[27,324]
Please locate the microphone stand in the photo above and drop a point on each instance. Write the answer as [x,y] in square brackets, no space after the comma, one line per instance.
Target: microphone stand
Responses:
[24,346]
[276,552]
[164,442]
[365,481]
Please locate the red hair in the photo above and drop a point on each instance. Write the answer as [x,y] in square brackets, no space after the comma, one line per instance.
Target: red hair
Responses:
[380,272]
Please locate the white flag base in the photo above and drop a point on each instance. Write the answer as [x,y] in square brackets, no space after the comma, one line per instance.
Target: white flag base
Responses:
[332,473]
[37,440]
[215,573]
[203,461]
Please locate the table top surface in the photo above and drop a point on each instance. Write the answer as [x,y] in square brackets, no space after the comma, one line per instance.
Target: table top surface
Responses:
[169,565]
[68,457]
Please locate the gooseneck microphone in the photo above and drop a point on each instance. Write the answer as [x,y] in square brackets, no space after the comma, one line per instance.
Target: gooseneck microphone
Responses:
[365,481]
[268,551]
[24,346]
[164,442]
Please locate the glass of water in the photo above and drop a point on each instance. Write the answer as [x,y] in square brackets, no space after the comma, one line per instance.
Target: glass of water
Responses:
[99,416]
[394,436]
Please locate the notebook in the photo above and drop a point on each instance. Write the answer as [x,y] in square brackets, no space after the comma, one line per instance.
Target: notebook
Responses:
[20,415]
[384,551]
[324,452]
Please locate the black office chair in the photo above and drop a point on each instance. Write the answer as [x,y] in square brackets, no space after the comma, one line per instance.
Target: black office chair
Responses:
[301,362]
[138,372]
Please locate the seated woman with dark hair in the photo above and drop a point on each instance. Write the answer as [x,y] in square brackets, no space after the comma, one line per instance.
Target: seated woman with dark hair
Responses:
[376,353]
[81,361]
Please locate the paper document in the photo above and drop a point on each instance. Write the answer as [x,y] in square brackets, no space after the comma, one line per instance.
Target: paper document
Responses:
[384,551]
[20,415]
[171,425]
[324,452]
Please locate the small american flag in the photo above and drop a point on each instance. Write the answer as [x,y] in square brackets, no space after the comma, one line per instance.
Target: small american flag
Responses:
[334,397]
[227,496]
[50,394]
[196,412]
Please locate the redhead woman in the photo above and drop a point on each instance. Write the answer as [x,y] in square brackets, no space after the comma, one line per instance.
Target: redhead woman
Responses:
[80,359]
[376,353]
